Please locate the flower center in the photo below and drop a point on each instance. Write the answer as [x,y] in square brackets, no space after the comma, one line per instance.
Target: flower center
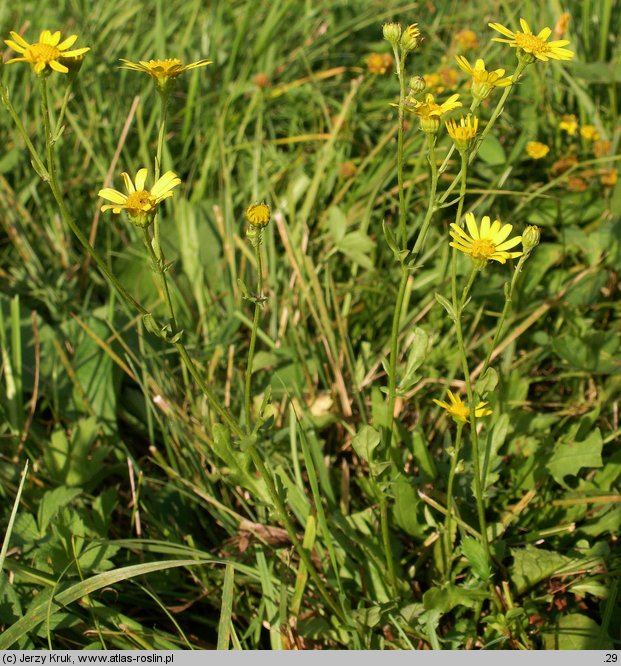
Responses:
[171,67]
[41,53]
[460,411]
[482,249]
[140,202]
[530,43]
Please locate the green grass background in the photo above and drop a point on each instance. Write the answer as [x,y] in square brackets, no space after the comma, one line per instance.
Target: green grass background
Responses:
[139,526]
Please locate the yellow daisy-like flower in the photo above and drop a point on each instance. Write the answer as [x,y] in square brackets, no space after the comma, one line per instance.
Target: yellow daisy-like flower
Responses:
[467,39]
[463,132]
[379,63]
[483,81]
[139,203]
[258,214]
[537,150]
[487,242]
[569,124]
[429,112]
[589,132]
[163,72]
[457,409]
[47,54]
[534,46]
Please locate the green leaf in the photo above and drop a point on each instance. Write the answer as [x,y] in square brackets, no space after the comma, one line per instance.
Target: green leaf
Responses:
[405,508]
[366,440]
[416,356]
[475,554]
[357,246]
[532,565]
[446,305]
[492,152]
[570,456]
[486,382]
[575,632]
[444,599]
[51,502]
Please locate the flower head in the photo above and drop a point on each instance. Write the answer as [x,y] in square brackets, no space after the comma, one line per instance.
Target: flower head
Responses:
[410,38]
[467,39]
[531,46]
[258,214]
[458,409]
[530,238]
[589,132]
[483,82]
[429,112]
[537,150]
[487,242]
[379,63]
[463,132]
[609,177]
[47,54]
[139,203]
[392,32]
[163,72]
[569,124]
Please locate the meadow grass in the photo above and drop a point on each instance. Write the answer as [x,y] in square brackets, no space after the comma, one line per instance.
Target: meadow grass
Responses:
[309,519]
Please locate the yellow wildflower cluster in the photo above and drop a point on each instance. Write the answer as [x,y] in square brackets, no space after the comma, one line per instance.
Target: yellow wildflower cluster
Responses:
[459,411]
[531,46]
[537,150]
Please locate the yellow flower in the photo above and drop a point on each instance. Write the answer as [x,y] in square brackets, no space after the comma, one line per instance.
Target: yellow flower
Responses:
[46,54]
[258,214]
[589,132]
[140,204]
[485,243]
[569,124]
[463,132]
[458,409]
[609,177]
[534,45]
[537,150]
[163,72]
[429,112]
[410,38]
[483,82]
[467,39]
[562,24]
[379,63]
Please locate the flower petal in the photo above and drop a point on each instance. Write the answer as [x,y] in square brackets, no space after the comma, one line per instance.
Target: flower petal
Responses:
[67,43]
[472,226]
[512,242]
[485,225]
[129,186]
[502,30]
[15,46]
[19,39]
[57,67]
[141,179]
[544,34]
[525,27]
[503,233]
[112,195]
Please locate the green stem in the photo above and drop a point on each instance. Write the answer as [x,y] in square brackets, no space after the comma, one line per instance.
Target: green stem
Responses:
[255,327]
[431,208]
[63,109]
[385,527]
[402,210]
[448,541]
[458,308]
[505,310]
[164,97]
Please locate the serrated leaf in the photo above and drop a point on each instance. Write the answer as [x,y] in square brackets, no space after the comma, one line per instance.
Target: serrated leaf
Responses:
[474,552]
[531,565]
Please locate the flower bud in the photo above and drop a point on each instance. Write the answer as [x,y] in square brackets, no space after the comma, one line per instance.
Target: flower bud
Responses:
[392,32]
[417,85]
[530,238]
[410,39]
[258,215]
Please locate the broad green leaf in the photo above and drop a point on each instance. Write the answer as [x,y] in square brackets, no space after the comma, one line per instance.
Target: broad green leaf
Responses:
[531,565]
[492,152]
[474,552]
[51,502]
[570,456]
[365,441]
[405,508]
[575,632]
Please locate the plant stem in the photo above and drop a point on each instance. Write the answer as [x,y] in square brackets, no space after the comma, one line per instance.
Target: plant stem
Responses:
[458,308]
[505,310]
[448,541]
[403,237]
[385,527]
[63,108]
[255,327]
[164,97]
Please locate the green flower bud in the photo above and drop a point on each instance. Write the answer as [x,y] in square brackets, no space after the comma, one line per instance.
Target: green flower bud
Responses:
[530,238]
[410,39]
[417,85]
[392,32]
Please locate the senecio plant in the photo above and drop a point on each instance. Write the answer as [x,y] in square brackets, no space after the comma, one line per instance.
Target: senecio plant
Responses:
[487,244]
